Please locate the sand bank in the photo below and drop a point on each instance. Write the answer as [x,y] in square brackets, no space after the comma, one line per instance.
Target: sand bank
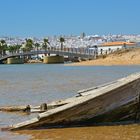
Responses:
[121,57]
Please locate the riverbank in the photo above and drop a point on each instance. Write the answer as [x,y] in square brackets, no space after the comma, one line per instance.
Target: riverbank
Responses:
[120,132]
[121,57]
[46,83]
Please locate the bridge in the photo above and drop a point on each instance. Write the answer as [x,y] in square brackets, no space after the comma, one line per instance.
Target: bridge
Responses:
[70,52]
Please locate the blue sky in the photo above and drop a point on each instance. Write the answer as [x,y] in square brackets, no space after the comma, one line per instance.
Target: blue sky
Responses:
[65,17]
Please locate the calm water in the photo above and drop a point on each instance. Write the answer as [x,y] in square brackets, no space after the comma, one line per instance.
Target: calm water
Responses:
[38,83]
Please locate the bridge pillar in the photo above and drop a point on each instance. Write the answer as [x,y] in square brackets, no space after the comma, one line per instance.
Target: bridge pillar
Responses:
[15,61]
[53,59]
[1,62]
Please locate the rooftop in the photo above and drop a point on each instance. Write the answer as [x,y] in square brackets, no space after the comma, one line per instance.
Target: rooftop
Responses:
[118,43]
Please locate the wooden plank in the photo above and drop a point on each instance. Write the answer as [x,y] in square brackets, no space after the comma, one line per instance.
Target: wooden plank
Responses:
[85,92]
[15,108]
[36,109]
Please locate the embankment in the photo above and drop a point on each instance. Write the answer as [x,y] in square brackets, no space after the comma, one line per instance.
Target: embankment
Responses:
[121,57]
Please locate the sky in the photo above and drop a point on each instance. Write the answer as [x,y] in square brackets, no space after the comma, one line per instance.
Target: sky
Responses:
[39,18]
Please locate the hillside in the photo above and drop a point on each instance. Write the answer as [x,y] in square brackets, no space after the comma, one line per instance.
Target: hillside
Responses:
[121,57]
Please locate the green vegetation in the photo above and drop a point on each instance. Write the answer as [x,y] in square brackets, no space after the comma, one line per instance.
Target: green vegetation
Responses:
[3,47]
[14,48]
[62,40]
[29,45]
[45,44]
[37,45]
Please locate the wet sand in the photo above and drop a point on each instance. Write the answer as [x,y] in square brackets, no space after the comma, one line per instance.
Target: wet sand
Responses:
[124,132]
[122,57]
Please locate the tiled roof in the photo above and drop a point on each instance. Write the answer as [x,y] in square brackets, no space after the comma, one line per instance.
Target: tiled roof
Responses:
[118,43]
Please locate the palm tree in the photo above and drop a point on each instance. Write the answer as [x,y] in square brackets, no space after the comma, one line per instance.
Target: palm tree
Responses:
[3,47]
[18,47]
[37,46]
[11,49]
[45,44]
[62,40]
[23,47]
[14,48]
[29,45]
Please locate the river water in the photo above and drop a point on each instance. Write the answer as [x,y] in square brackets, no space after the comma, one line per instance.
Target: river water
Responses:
[38,83]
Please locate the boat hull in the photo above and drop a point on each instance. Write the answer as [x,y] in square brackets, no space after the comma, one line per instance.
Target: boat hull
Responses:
[112,103]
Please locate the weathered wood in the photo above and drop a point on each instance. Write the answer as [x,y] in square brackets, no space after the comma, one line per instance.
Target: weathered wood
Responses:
[85,92]
[114,102]
[34,109]
[15,108]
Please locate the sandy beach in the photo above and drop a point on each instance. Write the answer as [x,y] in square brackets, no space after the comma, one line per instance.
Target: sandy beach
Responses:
[121,57]
[121,132]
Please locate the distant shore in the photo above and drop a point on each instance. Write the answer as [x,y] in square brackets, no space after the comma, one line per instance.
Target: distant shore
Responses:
[121,57]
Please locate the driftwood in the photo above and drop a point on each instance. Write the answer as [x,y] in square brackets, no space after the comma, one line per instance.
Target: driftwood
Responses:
[15,108]
[28,109]
[36,109]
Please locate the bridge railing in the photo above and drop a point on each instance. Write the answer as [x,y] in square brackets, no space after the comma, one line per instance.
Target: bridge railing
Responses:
[72,52]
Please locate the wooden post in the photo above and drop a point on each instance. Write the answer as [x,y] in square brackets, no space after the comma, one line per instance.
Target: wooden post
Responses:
[27,109]
[43,107]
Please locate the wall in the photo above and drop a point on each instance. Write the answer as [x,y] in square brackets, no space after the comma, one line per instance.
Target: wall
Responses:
[53,59]
[15,61]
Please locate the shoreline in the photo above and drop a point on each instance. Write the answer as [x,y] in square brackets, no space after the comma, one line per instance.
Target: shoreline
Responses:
[121,57]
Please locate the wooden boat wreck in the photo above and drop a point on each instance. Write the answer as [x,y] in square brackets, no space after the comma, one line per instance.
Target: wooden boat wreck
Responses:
[113,102]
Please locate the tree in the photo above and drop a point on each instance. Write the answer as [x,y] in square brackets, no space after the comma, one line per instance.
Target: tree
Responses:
[14,48]
[45,44]
[11,49]
[37,46]
[29,45]
[3,47]
[3,42]
[18,47]
[62,40]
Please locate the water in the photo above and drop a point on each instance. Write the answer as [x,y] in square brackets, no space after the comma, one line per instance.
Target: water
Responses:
[38,83]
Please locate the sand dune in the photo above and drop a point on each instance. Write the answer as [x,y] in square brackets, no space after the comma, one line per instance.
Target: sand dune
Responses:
[121,57]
